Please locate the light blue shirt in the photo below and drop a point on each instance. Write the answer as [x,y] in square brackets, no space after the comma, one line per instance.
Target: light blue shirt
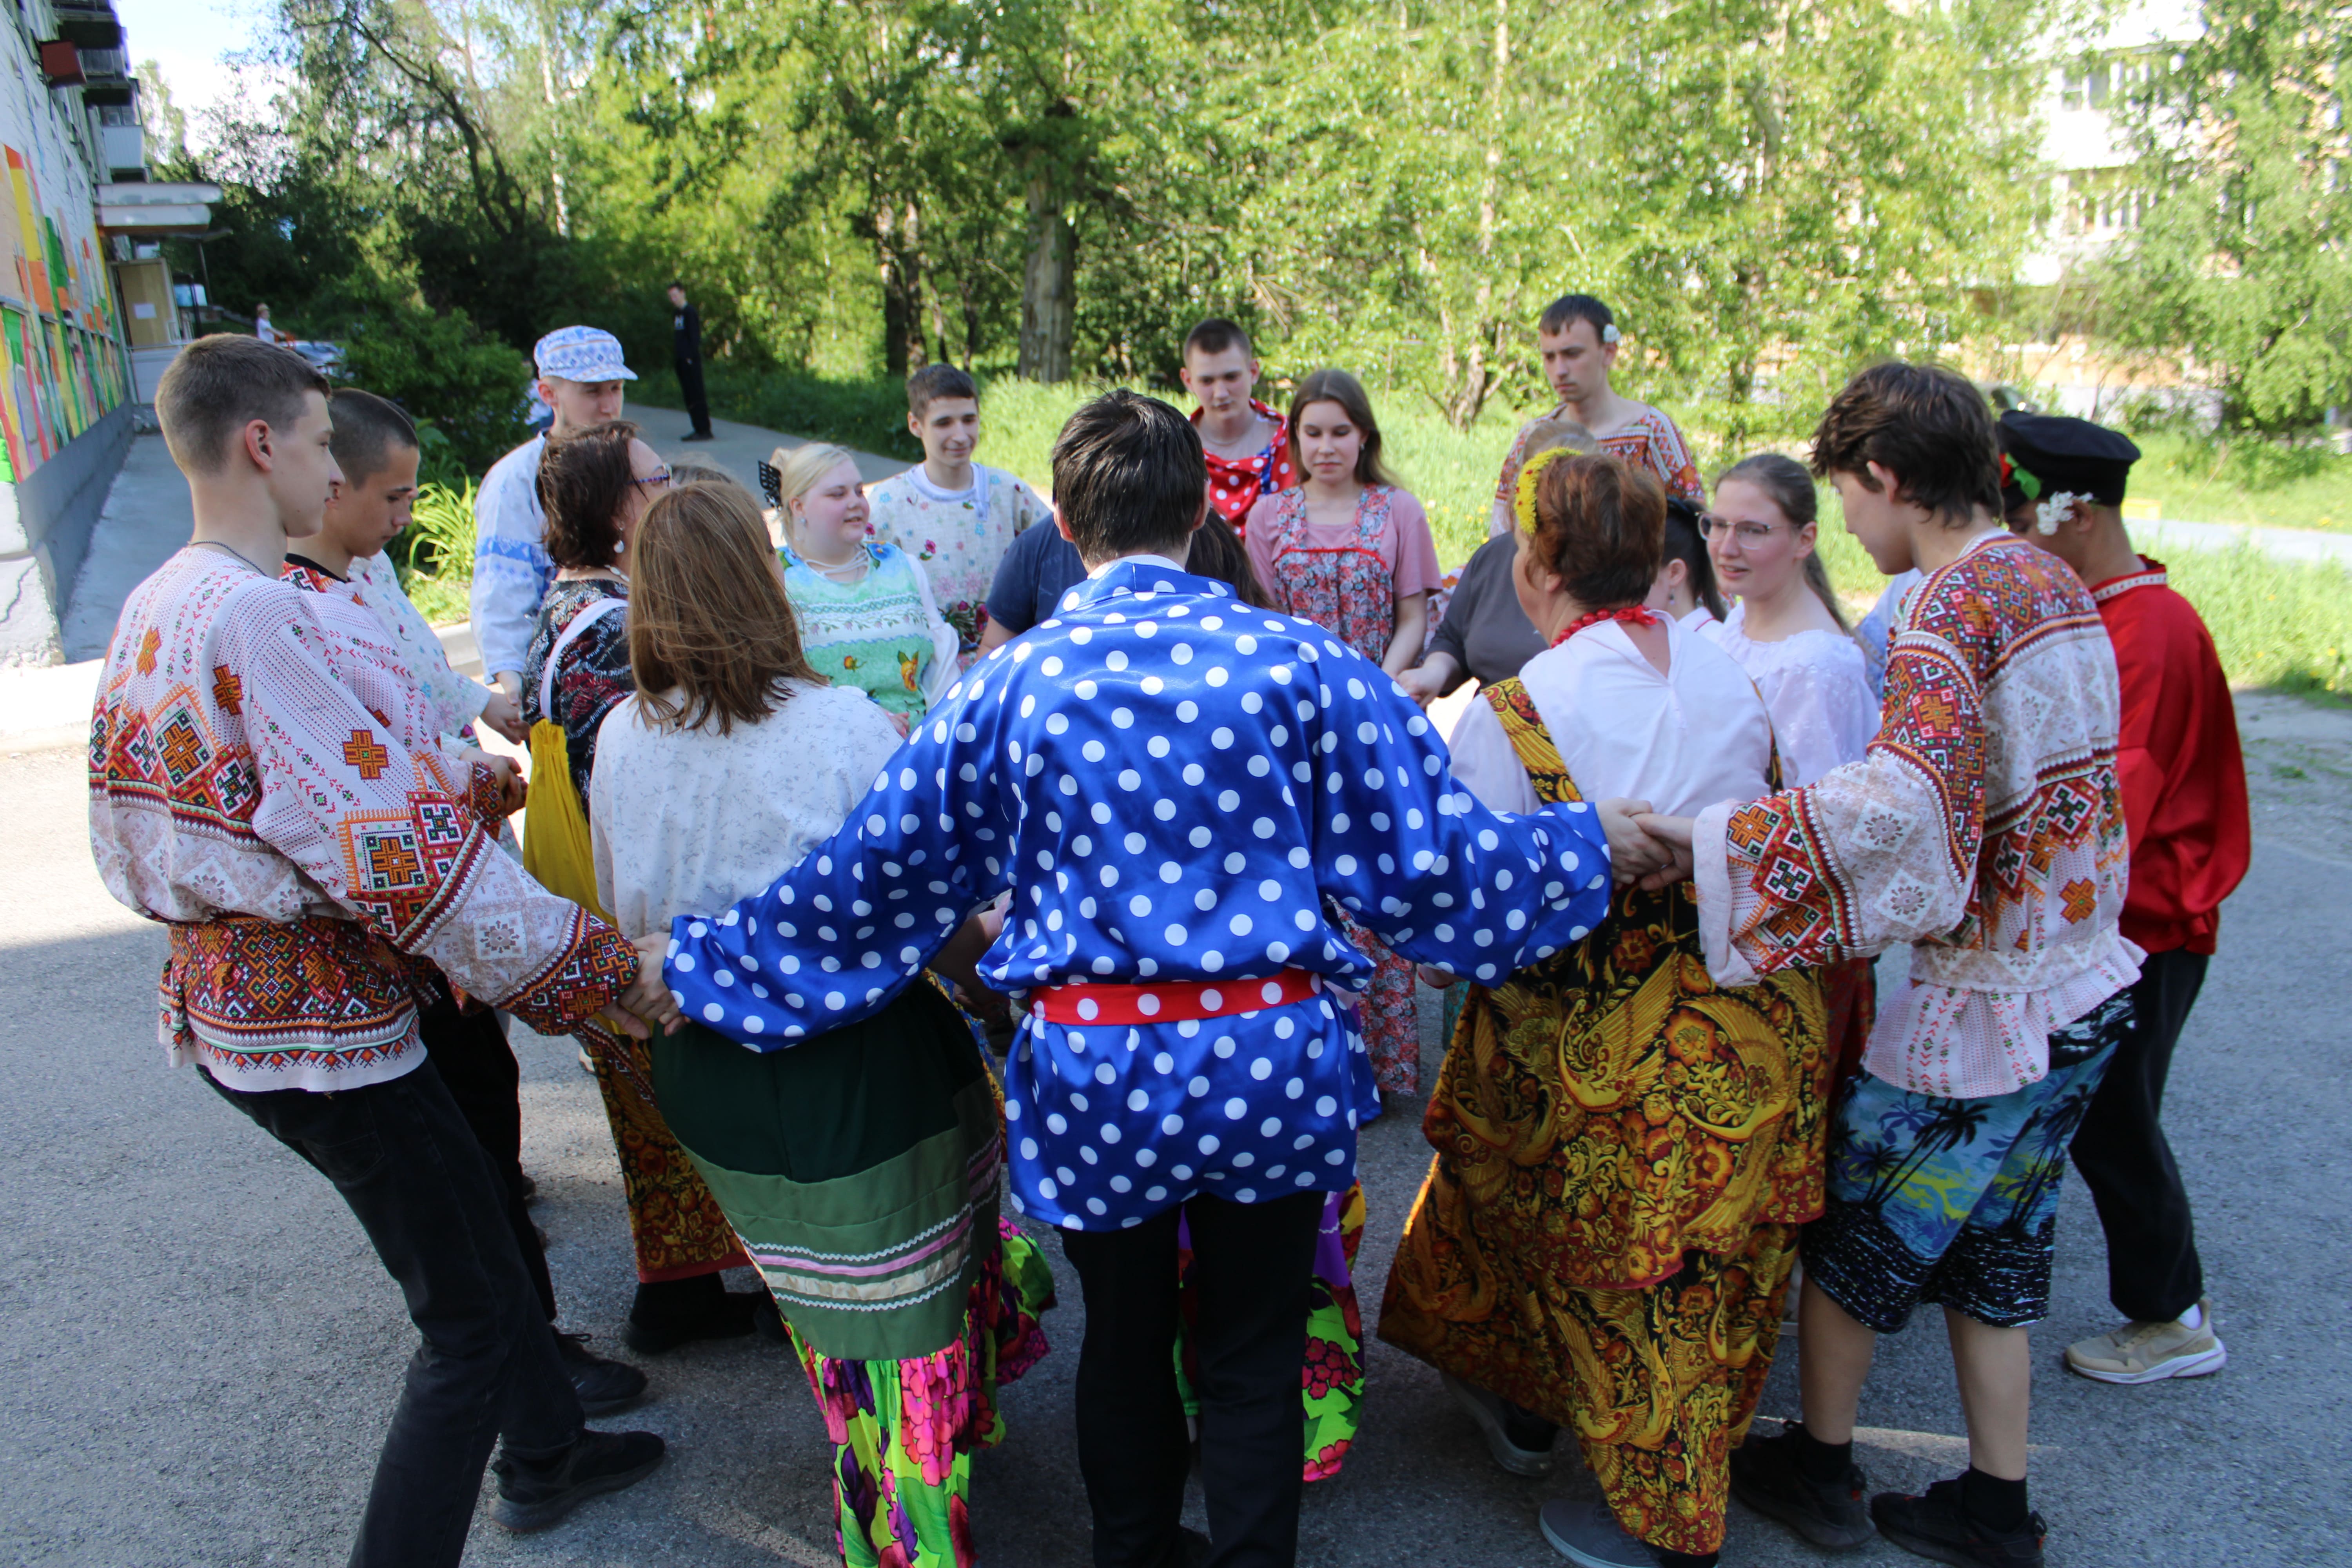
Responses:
[511,566]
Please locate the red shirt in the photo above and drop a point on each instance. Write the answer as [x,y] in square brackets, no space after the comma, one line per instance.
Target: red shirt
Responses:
[1235,483]
[2183,778]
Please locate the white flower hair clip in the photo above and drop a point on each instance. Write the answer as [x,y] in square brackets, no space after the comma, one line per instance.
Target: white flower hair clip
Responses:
[1609,333]
[2054,510]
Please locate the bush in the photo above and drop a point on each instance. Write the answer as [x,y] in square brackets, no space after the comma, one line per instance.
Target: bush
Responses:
[436,364]
[434,554]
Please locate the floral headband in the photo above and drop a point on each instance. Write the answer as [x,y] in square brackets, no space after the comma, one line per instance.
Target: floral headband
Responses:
[772,483]
[2050,510]
[1524,503]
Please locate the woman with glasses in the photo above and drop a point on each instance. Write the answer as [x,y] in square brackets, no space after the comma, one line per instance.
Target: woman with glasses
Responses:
[1787,630]
[867,618]
[1792,637]
[596,484]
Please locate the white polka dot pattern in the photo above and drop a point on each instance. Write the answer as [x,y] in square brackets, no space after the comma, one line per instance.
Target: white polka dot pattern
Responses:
[1038,772]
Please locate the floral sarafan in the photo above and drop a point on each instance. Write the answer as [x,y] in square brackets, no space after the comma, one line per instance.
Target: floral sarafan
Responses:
[1985,827]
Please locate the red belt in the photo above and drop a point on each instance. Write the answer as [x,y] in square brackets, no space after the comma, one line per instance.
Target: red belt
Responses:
[1171,1003]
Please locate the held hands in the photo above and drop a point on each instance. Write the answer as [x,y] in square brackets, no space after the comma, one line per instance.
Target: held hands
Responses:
[1423,684]
[647,1000]
[504,714]
[1638,854]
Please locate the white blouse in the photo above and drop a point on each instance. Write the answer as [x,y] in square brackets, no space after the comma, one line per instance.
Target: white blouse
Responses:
[688,821]
[1817,686]
[1692,737]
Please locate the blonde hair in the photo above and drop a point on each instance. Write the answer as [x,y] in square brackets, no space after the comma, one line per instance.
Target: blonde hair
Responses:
[798,471]
[711,633]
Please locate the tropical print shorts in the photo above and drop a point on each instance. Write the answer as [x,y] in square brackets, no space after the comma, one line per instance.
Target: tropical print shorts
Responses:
[1956,1201]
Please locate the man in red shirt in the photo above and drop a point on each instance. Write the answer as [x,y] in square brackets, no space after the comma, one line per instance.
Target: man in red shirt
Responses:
[2184,786]
[1247,444]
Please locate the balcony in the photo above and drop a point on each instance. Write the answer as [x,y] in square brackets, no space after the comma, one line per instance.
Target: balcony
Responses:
[121,147]
[90,24]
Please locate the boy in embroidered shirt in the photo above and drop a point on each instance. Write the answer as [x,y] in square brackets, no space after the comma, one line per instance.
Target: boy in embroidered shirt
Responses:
[2184,787]
[584,379]
[281,804]
[1984,826]
[1577,339]
[956,517]
[1170,925]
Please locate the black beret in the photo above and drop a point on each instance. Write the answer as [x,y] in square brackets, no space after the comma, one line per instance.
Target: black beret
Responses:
[2043,454]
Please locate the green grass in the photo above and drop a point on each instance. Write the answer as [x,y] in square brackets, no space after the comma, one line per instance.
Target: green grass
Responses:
[2255,482]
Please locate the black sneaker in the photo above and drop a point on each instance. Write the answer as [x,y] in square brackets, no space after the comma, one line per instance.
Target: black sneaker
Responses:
[1767,1476]
[697,436]
[605,1388]
[535,1496]
[723,1317]
[1937,1527]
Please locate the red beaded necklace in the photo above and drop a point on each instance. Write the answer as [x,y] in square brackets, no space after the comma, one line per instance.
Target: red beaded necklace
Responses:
[1633,615]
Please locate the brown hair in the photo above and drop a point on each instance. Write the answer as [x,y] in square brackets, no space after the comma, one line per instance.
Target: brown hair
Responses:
[218,385]
[1601,527]
[585,479]
[1924,424]
[368,430]
[1217,554]
[1542,436]
[710,631]
[1787,485]
[1338,386]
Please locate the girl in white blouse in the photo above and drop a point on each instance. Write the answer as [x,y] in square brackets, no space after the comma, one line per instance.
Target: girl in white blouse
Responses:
[1787,631]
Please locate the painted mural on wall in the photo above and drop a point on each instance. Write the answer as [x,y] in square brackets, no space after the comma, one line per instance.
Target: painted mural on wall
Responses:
[66,365]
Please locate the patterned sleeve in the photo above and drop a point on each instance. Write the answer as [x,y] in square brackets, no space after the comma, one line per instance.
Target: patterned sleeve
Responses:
[399,837]
[1873,854]
[1671,461]
[1415,856]
[512,568]
[1503,520]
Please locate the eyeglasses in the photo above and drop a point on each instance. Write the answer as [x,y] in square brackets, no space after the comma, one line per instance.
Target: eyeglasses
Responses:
[1747,533]
[656,481]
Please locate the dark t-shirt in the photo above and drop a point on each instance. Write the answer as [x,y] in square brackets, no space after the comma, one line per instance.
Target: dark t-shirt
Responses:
[1485,629]
[1030,581]
[686,335]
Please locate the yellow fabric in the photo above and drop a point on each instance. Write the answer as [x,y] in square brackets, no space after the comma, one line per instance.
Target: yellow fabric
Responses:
[555,848]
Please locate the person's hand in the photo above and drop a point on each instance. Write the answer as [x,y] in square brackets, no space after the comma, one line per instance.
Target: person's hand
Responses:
[510,684]
[648,996]
[897,722]
[1675,833]
[504,714]
[1633,854]
[1423,684]
[512,790]
[1436,979]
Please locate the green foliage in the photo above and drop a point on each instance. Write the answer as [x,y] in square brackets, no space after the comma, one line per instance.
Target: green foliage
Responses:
[2245,259]
[436,364]
[2275,624]
[435,554]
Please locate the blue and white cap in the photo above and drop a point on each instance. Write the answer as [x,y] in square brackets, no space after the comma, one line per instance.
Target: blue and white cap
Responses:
[582,353]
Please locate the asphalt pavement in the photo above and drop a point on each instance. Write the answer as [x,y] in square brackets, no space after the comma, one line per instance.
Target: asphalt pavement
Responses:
[198,1353]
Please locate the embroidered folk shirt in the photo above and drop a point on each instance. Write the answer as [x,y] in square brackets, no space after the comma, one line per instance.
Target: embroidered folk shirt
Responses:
[1171,784]
[511,566]
[282,802]
[959,537]
[1649,440]
[1984,826]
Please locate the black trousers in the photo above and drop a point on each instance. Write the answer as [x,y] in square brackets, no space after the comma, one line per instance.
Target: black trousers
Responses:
[2153,1273]
[471,1053]
[689,387]
[1251,1265]
[417,1180]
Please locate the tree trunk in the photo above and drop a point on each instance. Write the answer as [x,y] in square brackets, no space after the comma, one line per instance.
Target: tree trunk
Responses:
[1049,286]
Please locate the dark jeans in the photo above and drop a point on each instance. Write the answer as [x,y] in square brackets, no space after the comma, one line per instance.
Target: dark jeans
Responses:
[405,1162]
[1251,1265]
[689,387]
[2153,1273]
[479,1068]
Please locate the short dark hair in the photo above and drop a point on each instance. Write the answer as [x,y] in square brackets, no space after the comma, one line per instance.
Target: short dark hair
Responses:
[1927,425]
[1338,386]
[1214,336]
[1683,543]
[1571,308]
[368,428]
[936,381]
[585,479]
[1129,476]
[676,285]
[1602,526]
[218,385]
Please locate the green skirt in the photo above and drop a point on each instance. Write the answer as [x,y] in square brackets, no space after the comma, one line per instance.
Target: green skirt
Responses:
[859,1169]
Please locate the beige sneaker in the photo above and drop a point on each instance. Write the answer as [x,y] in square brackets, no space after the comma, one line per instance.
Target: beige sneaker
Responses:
[2149,1352]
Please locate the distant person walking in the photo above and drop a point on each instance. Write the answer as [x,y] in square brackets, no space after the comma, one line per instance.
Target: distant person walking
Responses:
[262,328]
[686,354]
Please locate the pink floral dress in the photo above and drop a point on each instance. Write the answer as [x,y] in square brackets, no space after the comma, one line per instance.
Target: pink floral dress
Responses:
[1349,590]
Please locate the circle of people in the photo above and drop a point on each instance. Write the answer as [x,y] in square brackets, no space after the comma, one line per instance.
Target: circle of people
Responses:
[1169,794]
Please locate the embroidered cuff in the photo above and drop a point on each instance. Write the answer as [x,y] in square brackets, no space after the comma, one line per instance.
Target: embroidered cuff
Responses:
[595,967]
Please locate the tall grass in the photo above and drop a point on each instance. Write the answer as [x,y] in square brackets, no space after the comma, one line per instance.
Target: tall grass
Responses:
[434,554]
